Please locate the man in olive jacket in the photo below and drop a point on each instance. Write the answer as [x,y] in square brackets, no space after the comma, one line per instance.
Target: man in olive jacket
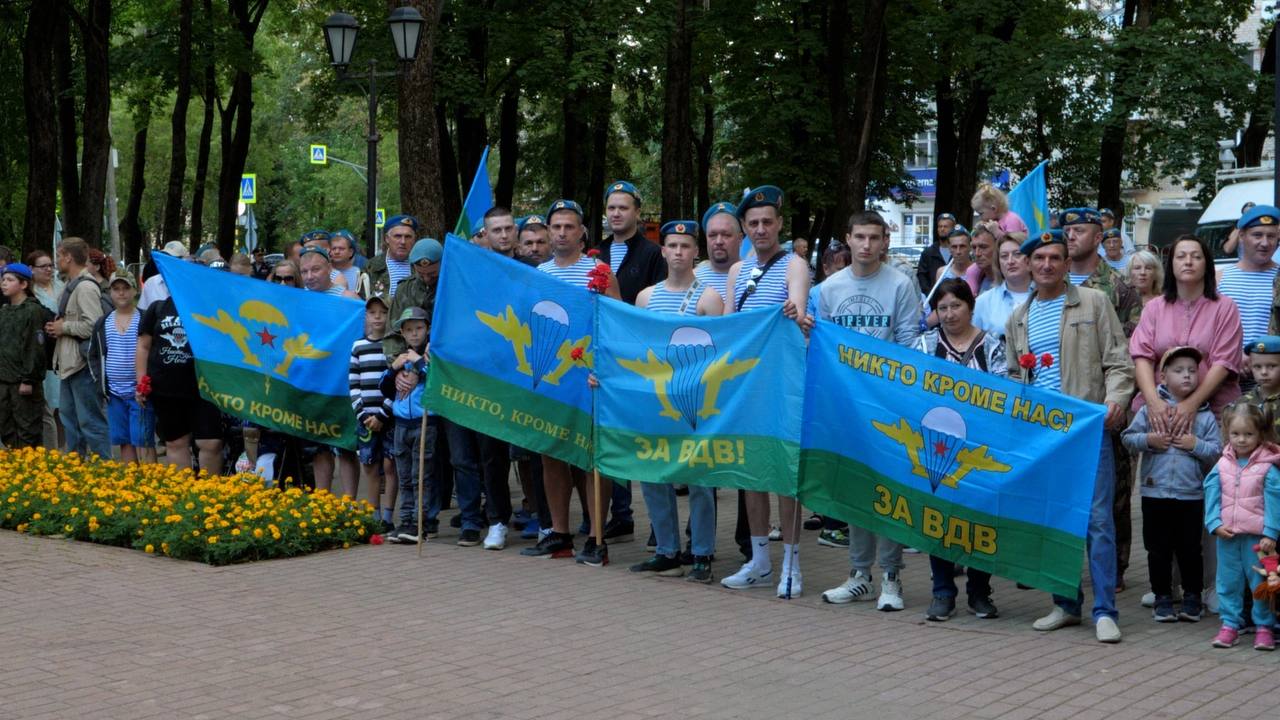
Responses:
[22,360]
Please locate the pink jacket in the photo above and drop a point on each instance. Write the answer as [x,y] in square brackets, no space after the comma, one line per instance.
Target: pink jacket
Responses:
[1243,504]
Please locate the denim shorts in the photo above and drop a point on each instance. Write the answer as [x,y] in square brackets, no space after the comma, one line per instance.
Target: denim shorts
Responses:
[372,447]
[130,423]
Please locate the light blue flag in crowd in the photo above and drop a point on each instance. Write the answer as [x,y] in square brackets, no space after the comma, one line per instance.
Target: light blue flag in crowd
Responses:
[959,463]
[274,355]
[708,401]
[1030,200]
[511,350]
[479,200]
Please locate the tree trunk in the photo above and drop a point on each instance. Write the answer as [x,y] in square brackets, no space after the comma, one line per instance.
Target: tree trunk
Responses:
[172,223]
[42,140]
[704,146]
[237,124]
[419,139]
[508,146]
[202,158]
[601,130]
[1137,17]
[450,185]
[96,138]
[574,164]
[472,127]
[130,228]
[855,125]
[68,125]
[677,125]
[1249,154]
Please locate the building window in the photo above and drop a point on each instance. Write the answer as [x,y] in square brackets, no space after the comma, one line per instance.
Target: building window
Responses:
[925,155]
[916,228]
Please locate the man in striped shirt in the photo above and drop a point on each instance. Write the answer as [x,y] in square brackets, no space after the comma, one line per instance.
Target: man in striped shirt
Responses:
[724,237]
[1078,327]
[390,267]
[1251,281]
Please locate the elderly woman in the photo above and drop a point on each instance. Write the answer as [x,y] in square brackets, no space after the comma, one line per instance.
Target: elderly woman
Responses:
[1146,276]
[957,340]
[992,204]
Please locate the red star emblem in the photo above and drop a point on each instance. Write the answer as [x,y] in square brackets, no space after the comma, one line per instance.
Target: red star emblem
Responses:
[266,338]
[940,448]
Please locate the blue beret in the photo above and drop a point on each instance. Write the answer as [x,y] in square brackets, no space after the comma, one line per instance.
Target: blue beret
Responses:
[316,250]
[1079,216]
[426,249]
[1048,237]
[947,216]
[1113,232]
[622,186]
[19,269]
[1260,215]
[1106,212]
[344,234]
[565,205]
[718,208]
[960,230]
[408,221]
[315,235]
[679,227]
[759,197]
[528,220]
[1267,345]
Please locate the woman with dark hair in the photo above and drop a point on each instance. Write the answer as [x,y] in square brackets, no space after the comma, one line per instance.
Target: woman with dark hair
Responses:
[958,340]
[1190,313]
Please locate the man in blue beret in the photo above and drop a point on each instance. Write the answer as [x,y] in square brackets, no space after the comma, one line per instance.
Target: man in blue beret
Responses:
[1251,282]
[535,240]
[1113,251]
[724,239]
[1079,329]
[390,267]
[1111,221]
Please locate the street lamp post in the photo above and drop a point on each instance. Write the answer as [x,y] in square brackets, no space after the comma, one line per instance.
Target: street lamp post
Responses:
[340,31]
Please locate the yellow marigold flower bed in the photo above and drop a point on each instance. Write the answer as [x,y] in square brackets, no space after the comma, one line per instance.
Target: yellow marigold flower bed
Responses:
[160,509]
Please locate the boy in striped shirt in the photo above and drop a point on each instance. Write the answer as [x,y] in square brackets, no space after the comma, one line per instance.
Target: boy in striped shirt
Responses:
[373,413]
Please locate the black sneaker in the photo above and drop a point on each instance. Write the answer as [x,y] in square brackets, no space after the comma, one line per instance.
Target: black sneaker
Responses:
[469,538]
[660,565]
[700,572]
[681,490]
[431,529]
[651,544]
[620,531]
[594,554]
[455,522]
[385,528]
[554,545]
[983,608]
[407,534]
[1163,610]
[1192,609]
[814,522]
[940,609]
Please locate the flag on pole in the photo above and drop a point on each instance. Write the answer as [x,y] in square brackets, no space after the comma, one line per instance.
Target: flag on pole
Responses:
[479,200]
[1030,199]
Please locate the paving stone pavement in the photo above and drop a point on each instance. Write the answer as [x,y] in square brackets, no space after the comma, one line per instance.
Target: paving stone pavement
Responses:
[461,633]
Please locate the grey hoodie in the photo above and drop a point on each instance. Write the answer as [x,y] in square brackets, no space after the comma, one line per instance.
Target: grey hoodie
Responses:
[1174,473]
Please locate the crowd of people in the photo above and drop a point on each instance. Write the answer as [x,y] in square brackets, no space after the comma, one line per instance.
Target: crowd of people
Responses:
[1186,360]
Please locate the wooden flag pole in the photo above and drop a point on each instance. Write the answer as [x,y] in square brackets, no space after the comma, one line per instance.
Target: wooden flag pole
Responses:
[422,466]
[599,509]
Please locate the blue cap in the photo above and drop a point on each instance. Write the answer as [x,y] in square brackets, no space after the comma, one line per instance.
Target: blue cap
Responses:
[19,269]
[408,221]
[528,220]
[769,195]
[1079,216]
[559,205]
[718,208]
[1260,215]
[622,186]
[1267,344]
[679,227]
[1112,233]
[312,235]
[1048,237]
[426,249]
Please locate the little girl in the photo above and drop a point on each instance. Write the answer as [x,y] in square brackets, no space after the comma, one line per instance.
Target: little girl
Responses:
[1242,507]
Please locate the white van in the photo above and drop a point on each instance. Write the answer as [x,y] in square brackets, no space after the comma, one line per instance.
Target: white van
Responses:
[1219,219]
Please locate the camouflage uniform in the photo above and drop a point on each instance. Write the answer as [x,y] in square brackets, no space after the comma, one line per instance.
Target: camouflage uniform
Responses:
[1270,405]
[411,292]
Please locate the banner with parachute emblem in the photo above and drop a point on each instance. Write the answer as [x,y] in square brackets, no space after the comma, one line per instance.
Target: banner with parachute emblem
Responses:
[274,355]
[511,349]
[705,401]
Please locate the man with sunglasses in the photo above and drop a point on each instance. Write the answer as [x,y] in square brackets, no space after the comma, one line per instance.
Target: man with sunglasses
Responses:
[937,255]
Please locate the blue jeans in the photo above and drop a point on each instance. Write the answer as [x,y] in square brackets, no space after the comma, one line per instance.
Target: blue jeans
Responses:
[404,448]
[620,502]
[1100,541]
[664,514]
[84,415]
[464,455]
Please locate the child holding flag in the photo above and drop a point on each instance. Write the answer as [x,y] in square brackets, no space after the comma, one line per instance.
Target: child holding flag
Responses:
[407,410]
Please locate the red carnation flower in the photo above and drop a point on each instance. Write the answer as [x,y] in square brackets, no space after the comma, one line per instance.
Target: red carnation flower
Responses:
[592,252]
[1027,361]
[598,278]
[375,539]
[576,354]
[144,386]
[1046,360]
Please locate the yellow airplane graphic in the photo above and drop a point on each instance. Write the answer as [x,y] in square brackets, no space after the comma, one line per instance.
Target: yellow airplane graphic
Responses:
[659,372]
[298,346]
[967,460]
[508,325]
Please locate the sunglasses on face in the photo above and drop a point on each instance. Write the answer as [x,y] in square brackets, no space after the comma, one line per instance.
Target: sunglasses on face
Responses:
[283,278]
[43,266]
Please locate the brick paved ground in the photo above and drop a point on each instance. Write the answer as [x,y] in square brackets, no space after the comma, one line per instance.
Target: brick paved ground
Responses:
[461,633]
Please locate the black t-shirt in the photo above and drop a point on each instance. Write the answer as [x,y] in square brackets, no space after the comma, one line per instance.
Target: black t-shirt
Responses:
[171,365]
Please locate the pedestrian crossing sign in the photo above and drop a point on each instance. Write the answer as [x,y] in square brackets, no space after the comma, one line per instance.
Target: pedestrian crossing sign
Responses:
[248,188]
[319,154]
[380,217]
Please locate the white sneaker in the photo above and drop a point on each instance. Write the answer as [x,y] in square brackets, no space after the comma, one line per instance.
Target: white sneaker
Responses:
[1149,599]
[1106,630]
[775,533]
[1210,599]
[497,537]
[790,586]
[857,587]
[1055,620]
[890,593]
[747,577]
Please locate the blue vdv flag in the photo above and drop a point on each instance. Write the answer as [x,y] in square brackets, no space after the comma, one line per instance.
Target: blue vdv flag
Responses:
[479,200]
[703,400]
[1030,199]
[274,355]
[511,350]
[958,463]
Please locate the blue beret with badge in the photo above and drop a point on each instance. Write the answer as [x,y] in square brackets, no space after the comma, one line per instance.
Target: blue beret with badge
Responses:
[315,235]
[428,249]
[622,186]
[1260,215]
[1048,237]
[947,216]
[1265,345]
[726,208]
[679,227]
[959,230]
[408,221]
[765,195]
[528,220]
[1112,233]
[559,205]
[1079,216]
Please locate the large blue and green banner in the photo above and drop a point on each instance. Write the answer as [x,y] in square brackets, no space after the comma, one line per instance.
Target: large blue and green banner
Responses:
[958,463]
[703,401]
[274,355]
[511,352]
